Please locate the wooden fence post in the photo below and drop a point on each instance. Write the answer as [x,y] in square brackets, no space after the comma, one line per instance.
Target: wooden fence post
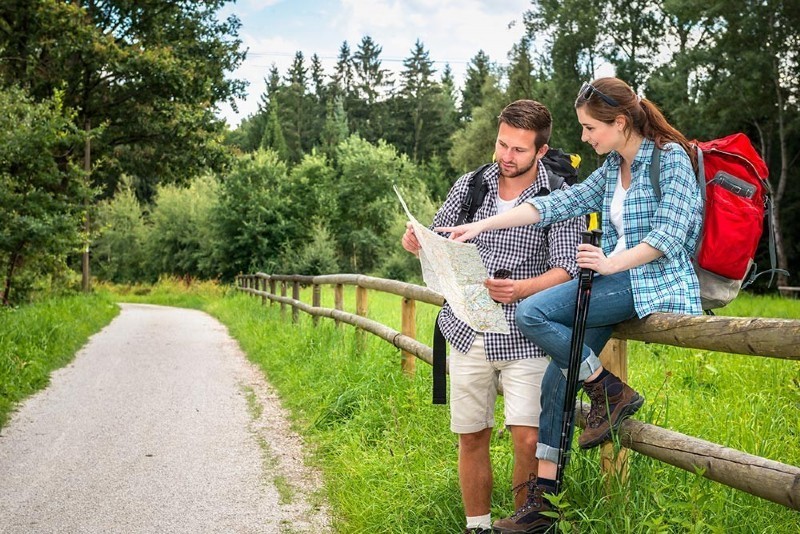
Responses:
[264,289]
[408,362]
[271,290]
[283,294]
[338,300]
[362,305]
[615,358]
[295,296]
[315,301]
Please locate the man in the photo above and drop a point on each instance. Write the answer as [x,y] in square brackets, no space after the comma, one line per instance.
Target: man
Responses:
[537,259]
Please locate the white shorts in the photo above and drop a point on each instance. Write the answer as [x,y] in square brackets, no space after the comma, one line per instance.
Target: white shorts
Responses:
[473,389]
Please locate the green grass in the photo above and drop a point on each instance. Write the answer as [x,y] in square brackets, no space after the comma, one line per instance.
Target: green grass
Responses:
[38,338]
[389,459]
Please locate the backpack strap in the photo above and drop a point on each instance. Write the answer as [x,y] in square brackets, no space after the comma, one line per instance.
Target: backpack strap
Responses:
[655,174]
[655,171]
[475,195]
[773,257]
[439,364]
[476,192]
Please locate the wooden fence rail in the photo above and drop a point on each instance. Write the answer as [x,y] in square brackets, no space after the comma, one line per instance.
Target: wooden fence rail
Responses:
[774,338]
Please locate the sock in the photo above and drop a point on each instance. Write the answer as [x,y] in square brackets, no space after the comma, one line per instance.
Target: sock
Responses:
[604,373]
[548,484]
[479,521]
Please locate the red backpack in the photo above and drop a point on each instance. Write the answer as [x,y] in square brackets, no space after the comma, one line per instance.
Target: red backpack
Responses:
[736,197]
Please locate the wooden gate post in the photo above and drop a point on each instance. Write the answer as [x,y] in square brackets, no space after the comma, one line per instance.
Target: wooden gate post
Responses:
[408,362]
[615,358]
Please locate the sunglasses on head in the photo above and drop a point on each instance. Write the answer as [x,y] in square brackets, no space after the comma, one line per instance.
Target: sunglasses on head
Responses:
[587,90]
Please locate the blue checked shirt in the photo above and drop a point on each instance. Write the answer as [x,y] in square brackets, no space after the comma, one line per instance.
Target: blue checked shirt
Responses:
[671,225]
[527,251]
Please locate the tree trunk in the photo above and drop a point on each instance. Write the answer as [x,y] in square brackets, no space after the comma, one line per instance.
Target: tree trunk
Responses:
[778,196]
[12,263]
[87,226]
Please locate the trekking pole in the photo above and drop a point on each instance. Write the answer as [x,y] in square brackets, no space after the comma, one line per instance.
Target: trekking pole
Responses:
[576,349]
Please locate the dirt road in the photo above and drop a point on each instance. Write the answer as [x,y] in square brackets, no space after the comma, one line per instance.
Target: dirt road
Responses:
[160,425]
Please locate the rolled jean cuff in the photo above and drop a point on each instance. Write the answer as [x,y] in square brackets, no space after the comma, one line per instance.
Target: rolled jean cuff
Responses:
[546,452]
[588,367]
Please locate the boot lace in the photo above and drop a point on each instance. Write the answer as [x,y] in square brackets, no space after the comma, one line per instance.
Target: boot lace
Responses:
[597,410]
[534,499]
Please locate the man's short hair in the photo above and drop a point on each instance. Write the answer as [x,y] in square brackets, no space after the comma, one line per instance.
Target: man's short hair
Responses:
[529,115]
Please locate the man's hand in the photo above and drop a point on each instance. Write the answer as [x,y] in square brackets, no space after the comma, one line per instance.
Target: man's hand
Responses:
[409,240]
[503,290]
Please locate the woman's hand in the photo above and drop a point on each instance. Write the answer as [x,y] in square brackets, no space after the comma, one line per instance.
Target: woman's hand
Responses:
[463,232]
[592,257]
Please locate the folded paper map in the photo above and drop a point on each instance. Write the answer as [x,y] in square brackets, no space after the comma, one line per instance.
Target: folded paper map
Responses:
[455,271]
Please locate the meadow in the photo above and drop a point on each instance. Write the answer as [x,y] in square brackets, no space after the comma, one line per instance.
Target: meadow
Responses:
[389,458]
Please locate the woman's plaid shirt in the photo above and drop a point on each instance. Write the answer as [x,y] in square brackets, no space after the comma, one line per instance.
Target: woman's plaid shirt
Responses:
[671,224]
[526,251]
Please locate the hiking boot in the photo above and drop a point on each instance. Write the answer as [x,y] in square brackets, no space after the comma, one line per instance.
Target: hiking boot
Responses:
[529,517]
[612,402]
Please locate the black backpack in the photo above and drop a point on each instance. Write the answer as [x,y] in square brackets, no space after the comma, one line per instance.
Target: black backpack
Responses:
[560,167]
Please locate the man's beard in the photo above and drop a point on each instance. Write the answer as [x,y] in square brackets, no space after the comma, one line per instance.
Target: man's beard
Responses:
[519,172]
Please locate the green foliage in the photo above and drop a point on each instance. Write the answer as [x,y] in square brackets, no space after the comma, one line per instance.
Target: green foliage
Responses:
[36,339]
[183,238]
[474,144]
[314,257]
[42,193]
[119,249]
[251,216]
[366,202]
[150,71]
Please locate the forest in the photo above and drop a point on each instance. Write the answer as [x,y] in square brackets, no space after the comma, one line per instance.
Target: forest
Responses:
[115,166]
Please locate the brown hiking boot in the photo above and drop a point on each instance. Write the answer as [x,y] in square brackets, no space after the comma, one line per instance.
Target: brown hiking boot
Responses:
[612,401]
[529,517]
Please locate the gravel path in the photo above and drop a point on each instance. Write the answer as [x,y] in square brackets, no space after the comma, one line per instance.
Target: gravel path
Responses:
[160,425]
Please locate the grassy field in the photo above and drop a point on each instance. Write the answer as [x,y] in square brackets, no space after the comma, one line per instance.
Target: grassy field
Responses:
[390,460]
[389,457]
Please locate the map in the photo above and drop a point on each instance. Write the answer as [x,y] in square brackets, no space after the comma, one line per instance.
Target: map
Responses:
[455,271]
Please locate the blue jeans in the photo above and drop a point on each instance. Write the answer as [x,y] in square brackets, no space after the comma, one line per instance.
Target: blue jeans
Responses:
[546,318]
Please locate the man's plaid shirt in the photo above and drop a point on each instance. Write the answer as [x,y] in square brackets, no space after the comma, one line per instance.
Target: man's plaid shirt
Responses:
[526,251]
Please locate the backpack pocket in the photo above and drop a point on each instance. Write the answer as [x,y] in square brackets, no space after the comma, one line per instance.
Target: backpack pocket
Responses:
[731,228]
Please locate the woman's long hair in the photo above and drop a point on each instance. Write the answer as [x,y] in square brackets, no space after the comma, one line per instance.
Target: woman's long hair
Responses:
[643,116]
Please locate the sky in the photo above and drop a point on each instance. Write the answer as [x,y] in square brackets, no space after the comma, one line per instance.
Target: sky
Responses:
[452,31]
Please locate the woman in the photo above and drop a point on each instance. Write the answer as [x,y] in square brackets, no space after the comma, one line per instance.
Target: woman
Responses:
[642,267]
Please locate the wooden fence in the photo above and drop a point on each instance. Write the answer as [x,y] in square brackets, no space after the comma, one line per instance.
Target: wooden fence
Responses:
[773,338]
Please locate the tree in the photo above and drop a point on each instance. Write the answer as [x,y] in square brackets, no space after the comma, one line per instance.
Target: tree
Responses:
[478,71]
[420,116]
[297,111]
[151,71]
[42,191]
[119,247]
[520,78]
[250,217]
[371,84]
[474,144]
[365,202]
